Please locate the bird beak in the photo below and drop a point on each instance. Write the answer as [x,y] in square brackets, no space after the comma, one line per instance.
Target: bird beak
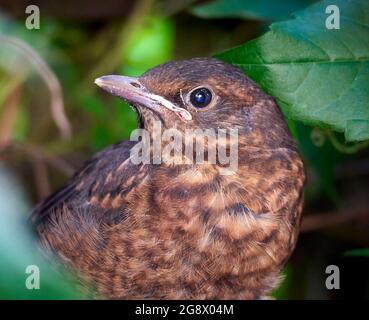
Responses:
[134,92]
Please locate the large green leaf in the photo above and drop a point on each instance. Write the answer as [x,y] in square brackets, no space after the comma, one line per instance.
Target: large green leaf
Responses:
[318,76]
[249,9]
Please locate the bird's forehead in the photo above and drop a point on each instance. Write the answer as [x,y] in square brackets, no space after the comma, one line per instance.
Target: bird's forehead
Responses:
[172,76]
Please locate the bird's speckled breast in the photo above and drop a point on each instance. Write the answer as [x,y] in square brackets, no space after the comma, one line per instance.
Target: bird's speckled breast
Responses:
[200,235]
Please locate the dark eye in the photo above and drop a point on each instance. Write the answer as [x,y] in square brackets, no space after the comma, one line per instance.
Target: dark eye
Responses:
[200,97]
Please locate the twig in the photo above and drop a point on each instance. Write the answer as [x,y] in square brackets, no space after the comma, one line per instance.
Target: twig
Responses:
[41,177]
[348,149]
[319,221]
[50,80]
[7,118]
[36,152]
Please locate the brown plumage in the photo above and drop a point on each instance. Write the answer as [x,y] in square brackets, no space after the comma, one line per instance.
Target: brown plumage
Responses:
[182,231]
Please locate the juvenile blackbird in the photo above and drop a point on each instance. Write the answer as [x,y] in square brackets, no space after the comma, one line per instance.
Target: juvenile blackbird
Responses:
[179,230]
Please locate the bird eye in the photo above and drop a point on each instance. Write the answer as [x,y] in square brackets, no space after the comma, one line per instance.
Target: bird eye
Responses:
[200,97]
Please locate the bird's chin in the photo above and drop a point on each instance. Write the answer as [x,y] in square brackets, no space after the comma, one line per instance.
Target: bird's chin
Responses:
[146,116]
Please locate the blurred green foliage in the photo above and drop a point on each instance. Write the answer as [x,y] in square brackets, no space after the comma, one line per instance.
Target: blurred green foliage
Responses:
[18,250]
[104,121]
[151,43]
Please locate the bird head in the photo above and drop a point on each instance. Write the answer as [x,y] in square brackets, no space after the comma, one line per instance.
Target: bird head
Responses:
[202,93]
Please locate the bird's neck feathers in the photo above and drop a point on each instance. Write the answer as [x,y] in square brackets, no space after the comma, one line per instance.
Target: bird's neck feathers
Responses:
[255,211]
[250,200]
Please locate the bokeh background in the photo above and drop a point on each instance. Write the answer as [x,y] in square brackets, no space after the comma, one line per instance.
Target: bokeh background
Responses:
[53,118]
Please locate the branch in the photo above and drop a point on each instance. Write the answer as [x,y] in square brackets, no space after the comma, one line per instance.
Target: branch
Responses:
[345,148]
[319,221]
[7,118]
[41,177]
[36,152]
[50,80]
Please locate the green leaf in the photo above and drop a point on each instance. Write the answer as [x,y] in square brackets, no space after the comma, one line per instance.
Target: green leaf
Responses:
[357,253]
[318,76]
[357,129]
[249,9]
